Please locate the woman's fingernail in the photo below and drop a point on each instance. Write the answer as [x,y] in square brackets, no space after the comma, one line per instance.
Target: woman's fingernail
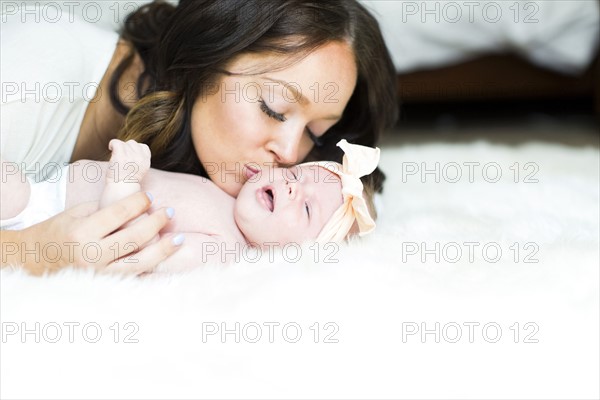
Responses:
[177,240]
[150,196]
[170,212]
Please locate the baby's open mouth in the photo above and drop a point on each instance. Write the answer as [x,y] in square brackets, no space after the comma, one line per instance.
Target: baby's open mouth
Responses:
[268,197]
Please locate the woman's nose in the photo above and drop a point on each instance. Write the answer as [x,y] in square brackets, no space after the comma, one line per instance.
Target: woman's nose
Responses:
[286,147]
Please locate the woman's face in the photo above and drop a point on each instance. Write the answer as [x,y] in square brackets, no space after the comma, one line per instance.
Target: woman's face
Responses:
[251,122]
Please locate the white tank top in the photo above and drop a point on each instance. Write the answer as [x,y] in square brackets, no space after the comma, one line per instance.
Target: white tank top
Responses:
[49,71]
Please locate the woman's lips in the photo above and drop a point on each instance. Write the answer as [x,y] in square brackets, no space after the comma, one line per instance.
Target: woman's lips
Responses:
[250,171]
[266,196]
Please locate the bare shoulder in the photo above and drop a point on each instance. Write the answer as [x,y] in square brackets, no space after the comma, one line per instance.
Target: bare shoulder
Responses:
[200,205]
[175,186]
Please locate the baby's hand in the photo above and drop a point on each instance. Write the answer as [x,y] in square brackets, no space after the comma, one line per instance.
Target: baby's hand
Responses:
[129,162]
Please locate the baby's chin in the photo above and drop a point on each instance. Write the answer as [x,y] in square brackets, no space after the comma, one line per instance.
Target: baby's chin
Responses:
[230,187]
[270,241]
[265,240]
[247,226]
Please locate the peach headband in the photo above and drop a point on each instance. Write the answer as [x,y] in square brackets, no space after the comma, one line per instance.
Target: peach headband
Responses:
[358,161]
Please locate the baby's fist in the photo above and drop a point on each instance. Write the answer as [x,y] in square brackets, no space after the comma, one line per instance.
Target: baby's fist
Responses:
[129,161]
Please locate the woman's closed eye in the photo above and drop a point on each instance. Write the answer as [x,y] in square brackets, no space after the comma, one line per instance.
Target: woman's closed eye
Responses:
[272,114]
[318,142]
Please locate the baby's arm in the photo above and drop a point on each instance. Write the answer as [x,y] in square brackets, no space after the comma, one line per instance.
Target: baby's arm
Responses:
[129,163]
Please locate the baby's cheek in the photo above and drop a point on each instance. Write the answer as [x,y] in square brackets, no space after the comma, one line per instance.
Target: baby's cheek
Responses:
[288,231]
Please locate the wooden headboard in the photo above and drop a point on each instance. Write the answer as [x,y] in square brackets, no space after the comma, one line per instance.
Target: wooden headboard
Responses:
[497,77]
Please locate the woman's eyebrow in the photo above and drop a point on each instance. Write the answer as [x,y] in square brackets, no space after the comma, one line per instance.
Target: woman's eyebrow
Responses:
[298,95]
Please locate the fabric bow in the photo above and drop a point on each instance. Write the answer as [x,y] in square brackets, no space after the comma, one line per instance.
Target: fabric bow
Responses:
[358,161]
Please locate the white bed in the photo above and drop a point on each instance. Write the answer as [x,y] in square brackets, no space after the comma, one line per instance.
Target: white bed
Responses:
[370,295]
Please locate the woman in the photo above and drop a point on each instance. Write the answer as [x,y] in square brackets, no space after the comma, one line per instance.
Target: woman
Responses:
[221,87]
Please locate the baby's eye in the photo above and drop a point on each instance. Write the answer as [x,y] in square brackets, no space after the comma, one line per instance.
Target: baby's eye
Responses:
[307,209]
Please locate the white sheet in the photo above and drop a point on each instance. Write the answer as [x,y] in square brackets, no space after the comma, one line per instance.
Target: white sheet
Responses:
[561,35]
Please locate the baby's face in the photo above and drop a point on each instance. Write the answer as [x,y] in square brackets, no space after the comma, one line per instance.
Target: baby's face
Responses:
[285,205]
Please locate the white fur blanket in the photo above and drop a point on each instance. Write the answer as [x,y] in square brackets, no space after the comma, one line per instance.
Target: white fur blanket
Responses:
[508,327]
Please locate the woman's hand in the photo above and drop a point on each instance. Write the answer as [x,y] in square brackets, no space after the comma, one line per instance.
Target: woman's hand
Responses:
[84,236]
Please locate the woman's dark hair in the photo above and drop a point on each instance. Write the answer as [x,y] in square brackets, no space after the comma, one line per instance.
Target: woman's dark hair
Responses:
[185,48]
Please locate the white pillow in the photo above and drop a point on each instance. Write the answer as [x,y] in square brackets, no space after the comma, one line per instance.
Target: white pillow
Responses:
[562,35]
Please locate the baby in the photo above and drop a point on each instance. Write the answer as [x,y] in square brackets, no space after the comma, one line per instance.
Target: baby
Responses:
[276,206]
